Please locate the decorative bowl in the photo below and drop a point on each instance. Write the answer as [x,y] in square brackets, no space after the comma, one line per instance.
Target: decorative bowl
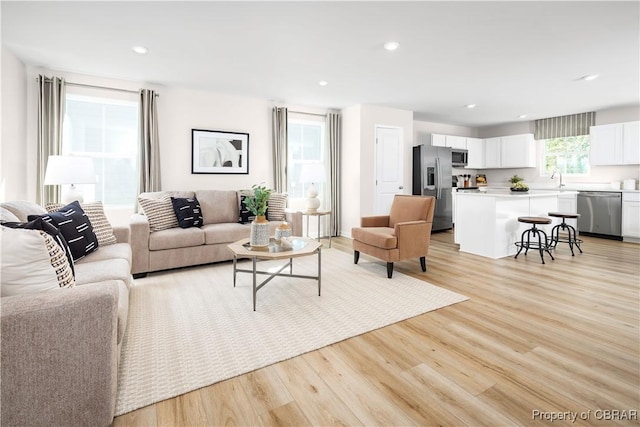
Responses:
[520,190]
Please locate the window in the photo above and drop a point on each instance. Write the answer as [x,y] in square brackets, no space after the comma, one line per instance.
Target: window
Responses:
[107,130]
[306,144]
[569,155]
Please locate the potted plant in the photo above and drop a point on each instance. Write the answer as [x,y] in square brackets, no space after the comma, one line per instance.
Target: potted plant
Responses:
[256,203]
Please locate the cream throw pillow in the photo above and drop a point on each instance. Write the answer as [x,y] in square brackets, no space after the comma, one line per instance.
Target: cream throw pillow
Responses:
[32,262]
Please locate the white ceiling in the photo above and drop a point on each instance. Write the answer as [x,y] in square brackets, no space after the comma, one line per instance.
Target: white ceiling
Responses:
[509,58]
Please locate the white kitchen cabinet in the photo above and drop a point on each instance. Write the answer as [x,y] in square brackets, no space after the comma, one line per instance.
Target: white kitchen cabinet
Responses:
[518,151]
[492,151]
[631,216]
[631,143]
[568,203]
[438,140]
[451,141]
[615,144]
[475,159]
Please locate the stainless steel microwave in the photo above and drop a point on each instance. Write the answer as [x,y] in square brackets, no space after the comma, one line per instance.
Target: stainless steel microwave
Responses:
[459,157]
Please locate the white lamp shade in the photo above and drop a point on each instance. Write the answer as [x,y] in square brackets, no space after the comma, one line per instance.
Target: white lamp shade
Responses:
[313,172]
[69,170]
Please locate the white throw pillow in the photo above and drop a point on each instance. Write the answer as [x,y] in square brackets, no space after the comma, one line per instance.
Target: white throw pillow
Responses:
[159,212]
[32,262]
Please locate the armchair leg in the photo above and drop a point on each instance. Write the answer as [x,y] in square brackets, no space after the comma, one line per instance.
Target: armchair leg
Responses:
[423,263]
[356,256]
[389,269]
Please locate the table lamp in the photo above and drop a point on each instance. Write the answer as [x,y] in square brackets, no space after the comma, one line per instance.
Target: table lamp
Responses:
[70,170]
[313,173]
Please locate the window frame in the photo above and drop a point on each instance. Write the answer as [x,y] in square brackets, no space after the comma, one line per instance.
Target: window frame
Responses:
[543,158]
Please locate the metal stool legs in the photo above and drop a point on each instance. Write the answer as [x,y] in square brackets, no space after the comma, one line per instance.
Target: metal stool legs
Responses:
[528,244]
[571,239]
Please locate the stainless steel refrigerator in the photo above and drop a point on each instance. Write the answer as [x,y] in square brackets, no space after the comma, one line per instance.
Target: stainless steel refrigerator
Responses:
[432,172]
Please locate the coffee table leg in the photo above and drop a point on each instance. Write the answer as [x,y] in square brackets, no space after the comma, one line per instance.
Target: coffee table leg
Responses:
[254,283]
[235,263]
[319,273]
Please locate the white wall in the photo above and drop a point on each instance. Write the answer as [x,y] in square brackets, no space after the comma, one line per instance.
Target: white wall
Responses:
[350,169]
[13,153]
[359,125]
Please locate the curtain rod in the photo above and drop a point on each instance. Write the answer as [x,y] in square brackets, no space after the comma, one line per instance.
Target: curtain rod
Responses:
[308,114]
[98,87]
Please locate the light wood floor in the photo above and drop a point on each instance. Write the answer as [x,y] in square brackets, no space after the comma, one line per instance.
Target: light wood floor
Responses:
[549,338]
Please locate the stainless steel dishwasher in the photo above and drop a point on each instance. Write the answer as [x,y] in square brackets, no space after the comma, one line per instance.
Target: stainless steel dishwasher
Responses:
[600,213]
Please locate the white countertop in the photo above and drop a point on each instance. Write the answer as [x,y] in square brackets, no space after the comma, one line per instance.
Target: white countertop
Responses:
[505,192]
[568,187]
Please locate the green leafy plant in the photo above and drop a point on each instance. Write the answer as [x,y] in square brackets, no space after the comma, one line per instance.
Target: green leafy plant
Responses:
[515,179]
[256,201]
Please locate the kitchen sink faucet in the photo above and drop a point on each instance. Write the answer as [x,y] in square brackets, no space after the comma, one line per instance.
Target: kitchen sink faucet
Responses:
[553,175]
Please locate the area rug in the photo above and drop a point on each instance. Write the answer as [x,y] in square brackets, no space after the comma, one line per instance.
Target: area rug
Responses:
[190,328]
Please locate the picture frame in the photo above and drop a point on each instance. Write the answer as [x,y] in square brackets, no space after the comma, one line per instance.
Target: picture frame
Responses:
[219,152]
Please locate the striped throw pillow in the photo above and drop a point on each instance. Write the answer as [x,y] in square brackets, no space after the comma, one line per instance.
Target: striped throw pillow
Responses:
[95,211]
[159,212]
[277,204]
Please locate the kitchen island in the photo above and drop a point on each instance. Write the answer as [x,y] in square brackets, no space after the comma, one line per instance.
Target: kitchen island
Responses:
[486,222]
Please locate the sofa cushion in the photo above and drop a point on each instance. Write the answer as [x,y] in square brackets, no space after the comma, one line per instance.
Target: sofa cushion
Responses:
[176,238]
[408,208]
[23,209]
[100,271]
[32,262]
[225,233]
[188,211]
[159,212]
[218,206]
[380,237]
[95,211]
[117,250]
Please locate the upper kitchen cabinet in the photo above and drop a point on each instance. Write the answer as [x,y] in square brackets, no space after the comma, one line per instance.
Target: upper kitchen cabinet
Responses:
[515,151]
[492,151]
[475,159]
[451,141]
[518,151]
[615,144]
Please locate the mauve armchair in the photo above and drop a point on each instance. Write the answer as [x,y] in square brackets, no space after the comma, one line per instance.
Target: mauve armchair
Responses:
[403,234]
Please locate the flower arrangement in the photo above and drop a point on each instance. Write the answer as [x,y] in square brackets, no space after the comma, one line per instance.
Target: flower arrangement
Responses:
[256,201]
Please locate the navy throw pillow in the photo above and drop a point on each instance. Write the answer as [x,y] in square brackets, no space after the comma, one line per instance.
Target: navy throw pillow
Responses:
[75,227]
[187,211]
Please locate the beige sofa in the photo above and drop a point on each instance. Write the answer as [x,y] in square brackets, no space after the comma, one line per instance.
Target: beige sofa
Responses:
[181,247]
[60,348]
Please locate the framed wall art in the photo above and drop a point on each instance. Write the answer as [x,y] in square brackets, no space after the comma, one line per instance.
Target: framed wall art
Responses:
[215,151]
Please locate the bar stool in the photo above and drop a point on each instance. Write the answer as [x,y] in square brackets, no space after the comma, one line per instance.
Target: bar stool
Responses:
[534,232]
[570,239]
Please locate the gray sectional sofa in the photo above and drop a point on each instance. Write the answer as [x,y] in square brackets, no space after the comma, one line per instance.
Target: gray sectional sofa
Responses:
[60,348]
[181,247]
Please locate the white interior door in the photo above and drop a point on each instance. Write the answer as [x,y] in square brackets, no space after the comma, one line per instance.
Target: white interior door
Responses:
[389,167]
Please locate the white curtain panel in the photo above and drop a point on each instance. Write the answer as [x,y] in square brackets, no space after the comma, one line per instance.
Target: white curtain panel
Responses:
[280,143]
[149,150]
[51,102]
[333,133]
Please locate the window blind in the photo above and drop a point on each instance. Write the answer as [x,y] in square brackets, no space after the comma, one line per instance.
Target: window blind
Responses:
[558,127]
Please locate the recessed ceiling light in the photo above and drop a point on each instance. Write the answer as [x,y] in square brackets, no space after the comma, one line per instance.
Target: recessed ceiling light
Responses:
[323,83]
[522,116]
[391,45]
[471,105]
[141,50]
[589,77]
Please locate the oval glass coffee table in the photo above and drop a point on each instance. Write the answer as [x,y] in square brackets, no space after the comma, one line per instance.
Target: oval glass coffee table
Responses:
[290,248]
